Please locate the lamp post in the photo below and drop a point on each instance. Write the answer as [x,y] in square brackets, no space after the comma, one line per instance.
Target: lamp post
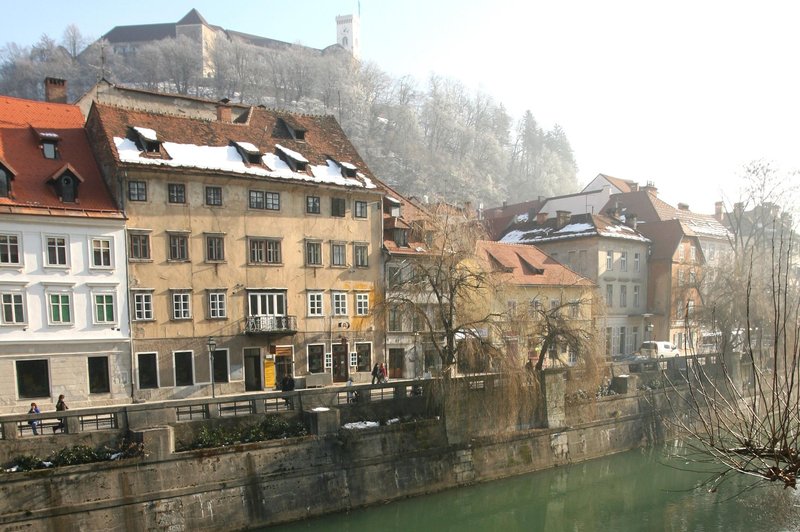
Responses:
[212,349]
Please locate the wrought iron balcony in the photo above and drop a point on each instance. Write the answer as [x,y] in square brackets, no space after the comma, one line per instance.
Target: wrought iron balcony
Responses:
[271,325]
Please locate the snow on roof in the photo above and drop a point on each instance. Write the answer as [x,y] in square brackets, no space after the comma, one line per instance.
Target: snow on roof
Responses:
[146,133]
[227,159]
[393,200]
[622,231]
[48,135]
[347,165]
[293,154]
[246,146]
[575,228]
[521,218]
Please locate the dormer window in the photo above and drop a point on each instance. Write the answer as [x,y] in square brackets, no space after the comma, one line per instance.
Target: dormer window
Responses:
[296,132]
[147,140]
[401,237]
[6,176]
[66,181]
[49,143]
[296,161]
[394,207]
[249,153]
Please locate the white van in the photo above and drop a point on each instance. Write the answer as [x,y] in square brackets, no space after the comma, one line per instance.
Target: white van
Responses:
[654,349]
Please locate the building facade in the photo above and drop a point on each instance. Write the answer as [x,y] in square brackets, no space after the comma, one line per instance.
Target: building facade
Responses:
[611,253]
[263,235]
[64,320]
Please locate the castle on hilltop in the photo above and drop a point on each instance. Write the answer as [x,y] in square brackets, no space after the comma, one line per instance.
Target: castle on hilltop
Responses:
[126,40]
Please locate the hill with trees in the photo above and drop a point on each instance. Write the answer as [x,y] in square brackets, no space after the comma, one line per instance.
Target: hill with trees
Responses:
[438,139]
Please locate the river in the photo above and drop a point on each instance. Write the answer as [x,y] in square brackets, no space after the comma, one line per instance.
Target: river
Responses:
[636,490]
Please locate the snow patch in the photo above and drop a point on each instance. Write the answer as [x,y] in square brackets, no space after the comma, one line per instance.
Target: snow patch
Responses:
[146,133]
[358,425]
[293,154]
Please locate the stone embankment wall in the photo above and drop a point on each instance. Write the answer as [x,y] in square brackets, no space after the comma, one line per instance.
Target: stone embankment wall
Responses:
[260,484]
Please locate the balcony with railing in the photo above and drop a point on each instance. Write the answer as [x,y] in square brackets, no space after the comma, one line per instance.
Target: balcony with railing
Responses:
[271,325]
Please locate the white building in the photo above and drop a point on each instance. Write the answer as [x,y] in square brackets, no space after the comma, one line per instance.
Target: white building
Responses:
[63,306]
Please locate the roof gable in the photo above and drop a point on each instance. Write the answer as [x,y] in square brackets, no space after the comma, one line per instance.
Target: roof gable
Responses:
[528,265]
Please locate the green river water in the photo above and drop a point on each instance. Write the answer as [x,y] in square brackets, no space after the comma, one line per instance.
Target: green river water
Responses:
[635,490]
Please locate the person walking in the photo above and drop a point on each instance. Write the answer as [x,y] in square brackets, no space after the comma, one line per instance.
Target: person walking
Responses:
[61,406]
[34,423]
[376,373]
[382,372]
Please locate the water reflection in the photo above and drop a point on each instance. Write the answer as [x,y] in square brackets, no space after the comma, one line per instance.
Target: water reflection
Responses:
[637,490]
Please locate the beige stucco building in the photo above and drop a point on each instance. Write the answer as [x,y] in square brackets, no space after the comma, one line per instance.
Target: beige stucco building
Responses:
[262,233]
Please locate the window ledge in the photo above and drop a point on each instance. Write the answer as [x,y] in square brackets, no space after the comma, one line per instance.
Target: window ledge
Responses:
[140,260]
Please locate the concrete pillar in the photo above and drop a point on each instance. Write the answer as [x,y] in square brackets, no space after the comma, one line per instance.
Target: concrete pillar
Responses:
[554,388]
[159,442]
[322,420]
[73,425]
[259,407]
[10,431]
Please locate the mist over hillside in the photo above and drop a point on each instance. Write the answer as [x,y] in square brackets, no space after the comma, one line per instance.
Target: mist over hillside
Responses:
[435,138]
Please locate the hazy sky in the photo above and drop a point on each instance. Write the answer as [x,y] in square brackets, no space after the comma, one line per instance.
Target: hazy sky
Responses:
[678,93]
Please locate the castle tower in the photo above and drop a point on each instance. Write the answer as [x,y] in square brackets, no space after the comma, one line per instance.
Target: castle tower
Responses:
[348,34]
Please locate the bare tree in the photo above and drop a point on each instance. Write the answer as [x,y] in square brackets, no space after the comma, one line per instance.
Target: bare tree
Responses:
[743,411]
[445,290]
[73,40]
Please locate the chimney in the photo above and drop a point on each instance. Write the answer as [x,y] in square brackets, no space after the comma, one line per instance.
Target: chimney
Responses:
[650,188]
[738,209]
[718,208]
[683,206]
[505,204]
[631,221]
[541,217]
[634,187]
[55,90]
[223,112]
[562,218]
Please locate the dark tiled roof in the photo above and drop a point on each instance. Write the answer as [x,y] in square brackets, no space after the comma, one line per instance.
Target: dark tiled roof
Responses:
[578,226]
[324,139]
[645,205]
[666,236]
[20,150]
[192,17]
[140,33]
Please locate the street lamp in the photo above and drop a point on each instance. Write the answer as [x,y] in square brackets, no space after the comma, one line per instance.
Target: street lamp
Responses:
[212,349]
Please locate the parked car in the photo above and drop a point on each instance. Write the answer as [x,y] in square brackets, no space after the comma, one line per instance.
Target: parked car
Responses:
[655,349]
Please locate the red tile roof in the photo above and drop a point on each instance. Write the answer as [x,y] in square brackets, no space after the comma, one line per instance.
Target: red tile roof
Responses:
[20,150]
[624,185]
[528,265]
[644,204]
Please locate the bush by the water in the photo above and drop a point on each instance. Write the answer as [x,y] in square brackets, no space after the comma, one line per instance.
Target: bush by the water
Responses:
[271,428]
[75,455]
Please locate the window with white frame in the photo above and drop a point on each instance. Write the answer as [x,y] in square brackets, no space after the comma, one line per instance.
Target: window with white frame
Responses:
[623,261]
[692,253]
[636,262]
[634,338]
[623,296]
[272,303]
[315,304]
[101,253]
[339,303]
[13,307]
[181,305]
[681,251]
[142,306]
[362,303]
[59,308]
[56,253]
[217,305]
[104,307]
[575,310]
[176,193]
[609,261]
[609,294]
[260,199]
[137,190]
[312,204]
[636,296]
[361,255]
[338,254]
[9,249]
[360,209]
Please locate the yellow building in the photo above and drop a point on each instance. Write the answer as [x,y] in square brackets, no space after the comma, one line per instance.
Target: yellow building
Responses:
[263,233]
[529,287]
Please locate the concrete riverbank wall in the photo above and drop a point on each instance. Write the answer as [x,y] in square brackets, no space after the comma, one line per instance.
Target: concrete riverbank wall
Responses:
[259,484]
